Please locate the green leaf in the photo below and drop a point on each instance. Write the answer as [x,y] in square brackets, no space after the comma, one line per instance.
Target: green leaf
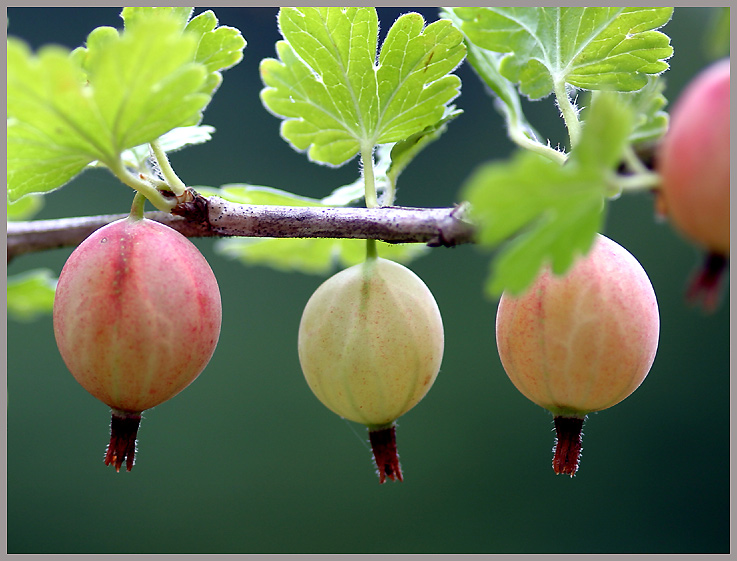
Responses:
[608,124]
[123,90]
[137,158]
[551,212]
[133,16]
[486,64]
[314,256]
[404,151]
[589,48]
[334,97]
[218,48]
[25,208]
[318,256]
[651,121]
[31,294]
[257,195]
[46,147]
[717,35]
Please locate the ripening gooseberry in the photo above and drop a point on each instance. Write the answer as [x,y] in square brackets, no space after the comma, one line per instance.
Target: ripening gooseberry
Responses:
[581,342]
[137,316]
[370,346]
[693,160]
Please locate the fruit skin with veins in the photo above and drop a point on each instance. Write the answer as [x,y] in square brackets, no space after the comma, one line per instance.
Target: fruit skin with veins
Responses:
[693,160]
[582,342]
[370,346]
[137,317]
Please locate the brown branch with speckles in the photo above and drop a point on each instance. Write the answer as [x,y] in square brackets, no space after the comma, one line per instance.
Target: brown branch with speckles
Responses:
[216,217]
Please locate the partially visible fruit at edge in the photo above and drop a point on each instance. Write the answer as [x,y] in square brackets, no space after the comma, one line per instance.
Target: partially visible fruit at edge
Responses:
[693,160]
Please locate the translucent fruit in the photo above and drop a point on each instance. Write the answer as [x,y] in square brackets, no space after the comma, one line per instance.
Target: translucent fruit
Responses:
[370,346]
[137,317]
[582,342]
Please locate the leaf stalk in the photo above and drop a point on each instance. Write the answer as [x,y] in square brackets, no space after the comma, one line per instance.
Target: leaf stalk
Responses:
[568,111]
[176,185]
[369,181]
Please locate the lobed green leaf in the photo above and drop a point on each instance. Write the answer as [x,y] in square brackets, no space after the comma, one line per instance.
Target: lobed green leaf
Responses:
[550,212]
[133,16]
[120,91]
[590,48]
[218,48]
[333,95]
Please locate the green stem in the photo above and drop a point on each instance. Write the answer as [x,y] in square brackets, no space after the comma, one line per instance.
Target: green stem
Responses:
[146,189]
[633,162]
[568,110]
[524,141]
[390,192]
[369,182]
[371,251]
[175,184]
[139,202]
[645,181]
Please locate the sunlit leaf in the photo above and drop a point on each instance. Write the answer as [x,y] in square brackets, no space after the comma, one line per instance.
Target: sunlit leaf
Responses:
[486,64]
[120,91]
[546,212]
[591,48]
[135,87]
[335,98]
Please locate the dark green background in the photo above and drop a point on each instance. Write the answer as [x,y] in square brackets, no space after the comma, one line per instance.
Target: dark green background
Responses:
[247,460]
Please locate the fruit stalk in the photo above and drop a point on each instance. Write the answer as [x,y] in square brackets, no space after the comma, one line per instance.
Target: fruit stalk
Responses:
[568,442]
[370,345]
[137,315]
[704,287]
[581,342]
[384,446]
[123,431]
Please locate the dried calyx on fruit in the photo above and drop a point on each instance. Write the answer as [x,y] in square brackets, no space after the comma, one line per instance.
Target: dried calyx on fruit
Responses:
[370,346]
[137,317]
[693,160]
[581,342]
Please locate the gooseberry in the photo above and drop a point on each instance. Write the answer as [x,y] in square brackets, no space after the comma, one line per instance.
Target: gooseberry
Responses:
[693,160]
[137,316]
[581,342]
[370,346]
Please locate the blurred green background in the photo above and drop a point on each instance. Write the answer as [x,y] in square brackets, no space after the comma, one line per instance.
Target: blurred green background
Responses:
[247,460]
